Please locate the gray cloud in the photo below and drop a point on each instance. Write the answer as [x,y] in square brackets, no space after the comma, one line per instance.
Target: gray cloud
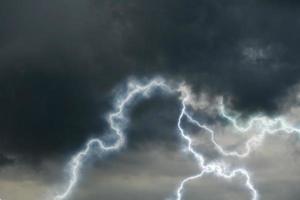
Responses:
[154,172]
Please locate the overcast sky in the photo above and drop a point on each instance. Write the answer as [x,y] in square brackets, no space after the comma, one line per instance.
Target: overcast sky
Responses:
[61,60]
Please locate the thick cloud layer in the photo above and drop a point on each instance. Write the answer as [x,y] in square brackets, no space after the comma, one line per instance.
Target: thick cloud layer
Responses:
[60,59]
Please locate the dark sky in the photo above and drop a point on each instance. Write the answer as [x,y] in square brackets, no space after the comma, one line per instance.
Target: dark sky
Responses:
[61,59]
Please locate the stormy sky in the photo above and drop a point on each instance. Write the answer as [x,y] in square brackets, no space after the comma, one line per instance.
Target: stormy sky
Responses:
[61,60]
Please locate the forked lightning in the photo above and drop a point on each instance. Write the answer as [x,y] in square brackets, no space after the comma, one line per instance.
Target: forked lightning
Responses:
[118,120]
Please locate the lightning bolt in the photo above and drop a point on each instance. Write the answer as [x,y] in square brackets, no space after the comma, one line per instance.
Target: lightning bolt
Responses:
[216,168]
[266,125]
[118,120]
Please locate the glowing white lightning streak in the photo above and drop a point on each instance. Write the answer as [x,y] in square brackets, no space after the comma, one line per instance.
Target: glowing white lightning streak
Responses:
[217,168]
[266,125]
[114,120]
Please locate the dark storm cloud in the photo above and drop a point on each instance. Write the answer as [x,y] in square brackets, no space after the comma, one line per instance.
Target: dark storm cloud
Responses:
[4,160]
[59,61]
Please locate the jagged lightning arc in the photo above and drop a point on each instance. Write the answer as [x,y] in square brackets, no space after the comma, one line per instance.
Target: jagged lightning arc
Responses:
[117,121]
